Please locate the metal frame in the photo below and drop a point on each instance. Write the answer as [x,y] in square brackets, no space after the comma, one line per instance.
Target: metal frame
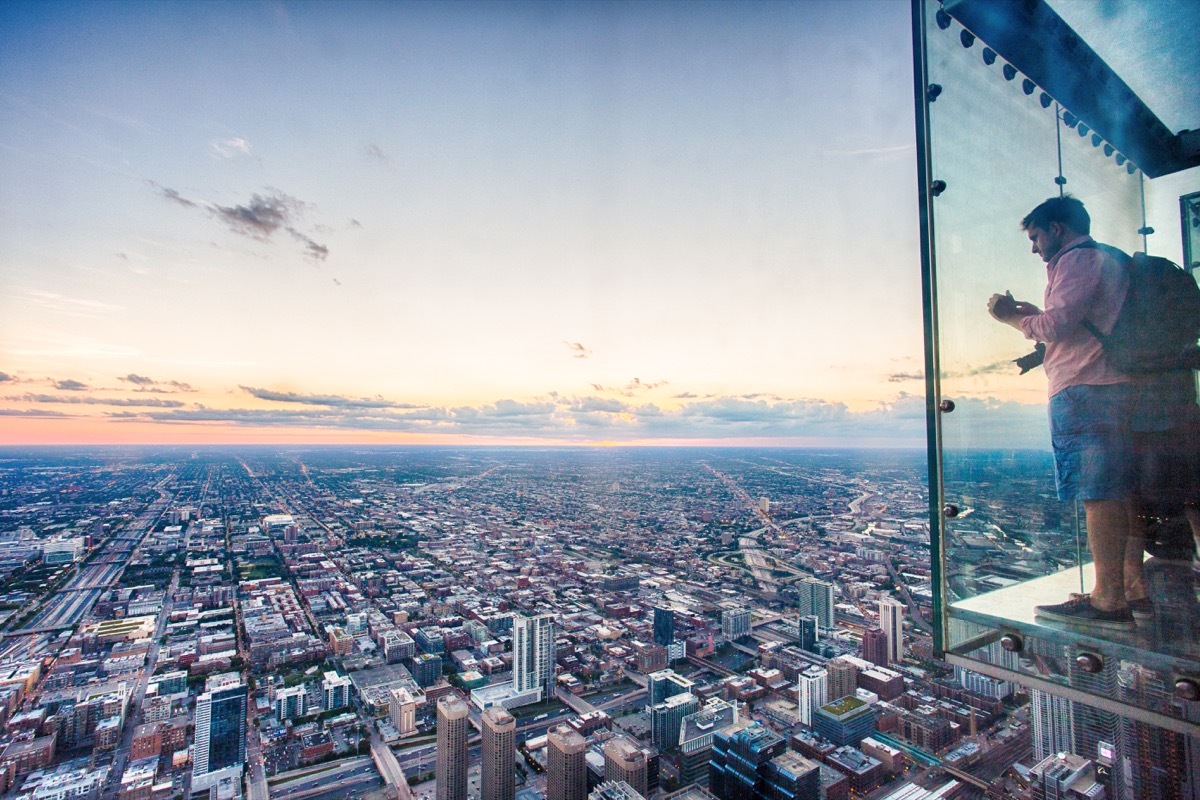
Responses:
[933,393]
[1109,705]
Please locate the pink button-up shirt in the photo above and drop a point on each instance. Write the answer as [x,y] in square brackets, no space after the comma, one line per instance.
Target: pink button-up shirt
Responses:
[1081,283]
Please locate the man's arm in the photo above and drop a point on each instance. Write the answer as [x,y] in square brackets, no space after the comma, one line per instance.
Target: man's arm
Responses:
[1004,308]
[1072,291]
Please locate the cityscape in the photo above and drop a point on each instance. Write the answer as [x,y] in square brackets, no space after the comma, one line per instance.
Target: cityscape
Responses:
[585,400]
[441,623]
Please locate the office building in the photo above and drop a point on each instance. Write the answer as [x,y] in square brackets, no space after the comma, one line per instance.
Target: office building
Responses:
[666,718]
[566,764]
[813,690]
[625,761]
[891,619]
[740,754]
[791,776]
[451,767]
[1064,776]
[696,739]
[664,627]
[497,780]
[875,646]
[845,721]
[816,599]
[735,623]
[533,654]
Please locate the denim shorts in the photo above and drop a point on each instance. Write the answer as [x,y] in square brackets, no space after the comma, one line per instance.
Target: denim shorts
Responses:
[1093,448]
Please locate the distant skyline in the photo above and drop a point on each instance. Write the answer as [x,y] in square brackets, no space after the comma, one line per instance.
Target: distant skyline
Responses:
[571,223]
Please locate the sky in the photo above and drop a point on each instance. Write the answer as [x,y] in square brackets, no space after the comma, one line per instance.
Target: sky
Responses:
[564,223]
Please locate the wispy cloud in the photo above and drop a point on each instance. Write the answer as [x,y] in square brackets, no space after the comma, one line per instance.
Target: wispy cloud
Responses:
[634,387]
[230,147]
[332,400]
[63,304]
[5,377]
[90,400]
[578,350]
[375,153]
[889,150]
[70,385]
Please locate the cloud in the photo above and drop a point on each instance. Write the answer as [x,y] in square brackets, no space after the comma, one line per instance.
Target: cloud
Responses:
[69,385]
[70,306]
[375,153]
[891,150]
[260,218]
[5,377]
[333,400]
[30,412]
[173,196]
[630,389]
[231,147]
[89,400]
[146,384]
[1005,365]
[578,350]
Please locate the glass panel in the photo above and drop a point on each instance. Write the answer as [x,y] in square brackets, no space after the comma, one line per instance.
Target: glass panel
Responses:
[999,147]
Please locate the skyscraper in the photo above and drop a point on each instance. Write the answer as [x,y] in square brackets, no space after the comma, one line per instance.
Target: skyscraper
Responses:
[739,756]
[220,726]
[566,764]
[891,619]
[1053,719]
[814,692]
[451,769]
[220,730]
[533,654]
[625,761]
[664,626]
[666,717]
[807,630]
[875,646]
[666,683]
[816,598]
[497,781]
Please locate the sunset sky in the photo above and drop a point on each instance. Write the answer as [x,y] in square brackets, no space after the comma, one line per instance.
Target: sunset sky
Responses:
[459,222]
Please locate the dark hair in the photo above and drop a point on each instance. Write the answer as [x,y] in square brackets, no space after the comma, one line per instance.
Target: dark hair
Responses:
[1066,210]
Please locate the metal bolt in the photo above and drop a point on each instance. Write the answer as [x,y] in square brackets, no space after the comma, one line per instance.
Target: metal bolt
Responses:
[946,406]
[933,91]
[1089,662]
[1187,689]
[950,510]
[937,187]
[1012,643]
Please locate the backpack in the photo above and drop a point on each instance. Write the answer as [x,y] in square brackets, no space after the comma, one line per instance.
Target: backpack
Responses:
[1159,322]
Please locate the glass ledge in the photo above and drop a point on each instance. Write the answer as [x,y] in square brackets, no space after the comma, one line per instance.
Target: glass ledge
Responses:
[1169,643]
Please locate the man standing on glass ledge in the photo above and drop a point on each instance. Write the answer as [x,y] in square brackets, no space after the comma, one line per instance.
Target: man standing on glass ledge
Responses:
[1090,405]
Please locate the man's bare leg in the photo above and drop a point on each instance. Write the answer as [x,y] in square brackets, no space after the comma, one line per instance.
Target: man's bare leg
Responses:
[1135,546]
[1107,532]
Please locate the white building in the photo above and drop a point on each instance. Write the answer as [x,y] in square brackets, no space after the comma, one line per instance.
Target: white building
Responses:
[335,691]
[533,654]
[403,712]
[62,551]
[891,619]
[814,692]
